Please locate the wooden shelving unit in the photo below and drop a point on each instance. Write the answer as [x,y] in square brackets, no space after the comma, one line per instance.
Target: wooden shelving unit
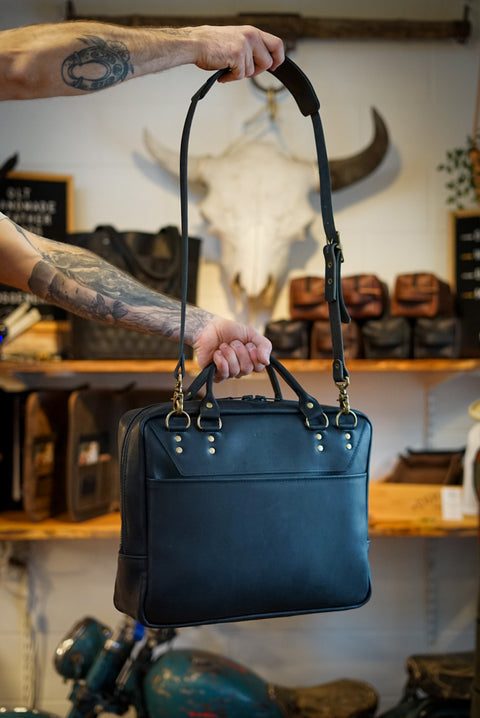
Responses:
[392,507]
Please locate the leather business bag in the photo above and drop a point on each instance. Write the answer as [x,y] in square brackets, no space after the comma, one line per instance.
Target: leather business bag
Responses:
[365,297]
[154,260]
[247,507]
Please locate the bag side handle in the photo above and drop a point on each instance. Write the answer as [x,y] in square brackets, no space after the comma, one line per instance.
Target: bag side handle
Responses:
[300,87]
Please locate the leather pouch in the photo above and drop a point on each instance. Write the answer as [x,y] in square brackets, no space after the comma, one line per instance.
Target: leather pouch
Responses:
[290,338]
[421,295]
[387,338]
[307,298]
[321,340]
[437,338]
[365,296]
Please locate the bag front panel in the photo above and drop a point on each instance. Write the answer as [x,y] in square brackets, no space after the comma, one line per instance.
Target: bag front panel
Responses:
[254,548]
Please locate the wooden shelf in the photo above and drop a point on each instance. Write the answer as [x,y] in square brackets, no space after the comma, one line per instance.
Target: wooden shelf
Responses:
[50,368]
[395,510]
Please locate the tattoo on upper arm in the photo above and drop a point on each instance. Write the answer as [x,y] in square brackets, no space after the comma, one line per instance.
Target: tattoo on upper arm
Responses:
[112,57]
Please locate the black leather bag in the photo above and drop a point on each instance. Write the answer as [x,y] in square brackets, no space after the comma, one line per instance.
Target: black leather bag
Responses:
[290,338]
[436,338]
[387,338]
[156,261]
[248,507]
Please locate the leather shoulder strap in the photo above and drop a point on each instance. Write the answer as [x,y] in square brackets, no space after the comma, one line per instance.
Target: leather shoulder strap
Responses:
[302,91]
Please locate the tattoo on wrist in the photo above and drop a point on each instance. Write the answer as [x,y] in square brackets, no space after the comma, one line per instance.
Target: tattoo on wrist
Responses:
[109,58]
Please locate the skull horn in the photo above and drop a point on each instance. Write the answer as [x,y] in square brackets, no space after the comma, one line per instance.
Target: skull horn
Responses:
[346,171]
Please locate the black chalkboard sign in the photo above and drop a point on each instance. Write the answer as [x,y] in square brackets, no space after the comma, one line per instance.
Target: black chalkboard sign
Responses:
[466,276]
[43,204]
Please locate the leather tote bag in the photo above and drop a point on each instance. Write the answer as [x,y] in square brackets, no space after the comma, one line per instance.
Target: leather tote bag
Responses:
[153,259]
[248,507]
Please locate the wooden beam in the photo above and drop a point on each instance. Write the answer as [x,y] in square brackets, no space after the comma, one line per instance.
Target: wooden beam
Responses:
[293,27]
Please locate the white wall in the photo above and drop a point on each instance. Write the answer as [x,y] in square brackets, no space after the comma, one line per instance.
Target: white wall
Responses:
[396,220]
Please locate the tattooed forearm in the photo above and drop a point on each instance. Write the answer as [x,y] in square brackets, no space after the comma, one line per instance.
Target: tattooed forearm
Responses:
[85,284]
[99,65]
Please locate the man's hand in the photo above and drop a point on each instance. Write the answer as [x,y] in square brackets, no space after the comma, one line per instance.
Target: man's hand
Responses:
[236,349]
[246,50]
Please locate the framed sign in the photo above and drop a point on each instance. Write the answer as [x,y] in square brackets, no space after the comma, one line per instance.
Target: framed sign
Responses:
[465,231]
[43,204]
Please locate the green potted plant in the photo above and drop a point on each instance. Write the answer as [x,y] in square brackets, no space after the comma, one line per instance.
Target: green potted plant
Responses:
[462,165]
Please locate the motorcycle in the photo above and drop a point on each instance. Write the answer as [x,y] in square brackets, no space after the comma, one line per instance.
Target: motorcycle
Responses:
[134,667]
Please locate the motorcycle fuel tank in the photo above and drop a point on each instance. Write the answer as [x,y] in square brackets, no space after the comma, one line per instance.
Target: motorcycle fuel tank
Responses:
[197,684]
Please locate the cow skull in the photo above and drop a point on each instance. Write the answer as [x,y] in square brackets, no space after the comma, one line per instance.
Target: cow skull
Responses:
[257,202]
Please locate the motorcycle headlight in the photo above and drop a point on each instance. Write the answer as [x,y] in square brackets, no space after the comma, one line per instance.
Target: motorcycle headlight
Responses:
[77,651]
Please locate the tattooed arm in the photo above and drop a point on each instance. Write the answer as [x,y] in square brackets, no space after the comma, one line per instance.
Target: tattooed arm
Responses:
[83,283]
[78,57]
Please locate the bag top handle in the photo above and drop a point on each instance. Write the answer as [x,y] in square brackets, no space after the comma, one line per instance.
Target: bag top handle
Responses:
[302,91]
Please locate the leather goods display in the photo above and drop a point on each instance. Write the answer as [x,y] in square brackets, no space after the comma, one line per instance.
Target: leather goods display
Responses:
[387,338]
[421,295]
[365,296]
[154,260]
[321,340]
[428,467]
[44,454]
[248,507]
[290,339]
[438,338]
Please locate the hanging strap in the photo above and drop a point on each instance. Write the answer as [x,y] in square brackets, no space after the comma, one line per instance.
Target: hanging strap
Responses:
[302,91]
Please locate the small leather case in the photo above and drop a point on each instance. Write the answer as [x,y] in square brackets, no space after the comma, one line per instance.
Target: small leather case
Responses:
[428,467]
[290,338]
[365,296]
[307,298]
[387,338]
[437,338]
[421,295]
[321,340]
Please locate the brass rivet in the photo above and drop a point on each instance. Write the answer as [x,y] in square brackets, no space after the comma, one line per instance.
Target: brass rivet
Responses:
[330,280]
[211,450]
[309,405]
[348,436]
[319,447]
[211,438]
[349,446]
[209,405]
[318,436]
[179,450]
[178,438]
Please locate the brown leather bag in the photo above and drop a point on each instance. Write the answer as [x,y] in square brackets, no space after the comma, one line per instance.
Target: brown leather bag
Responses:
[321,342]
[307,298]
[421,295]
[365,296]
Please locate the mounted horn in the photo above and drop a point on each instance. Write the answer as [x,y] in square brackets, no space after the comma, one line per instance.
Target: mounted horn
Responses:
[345,172]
